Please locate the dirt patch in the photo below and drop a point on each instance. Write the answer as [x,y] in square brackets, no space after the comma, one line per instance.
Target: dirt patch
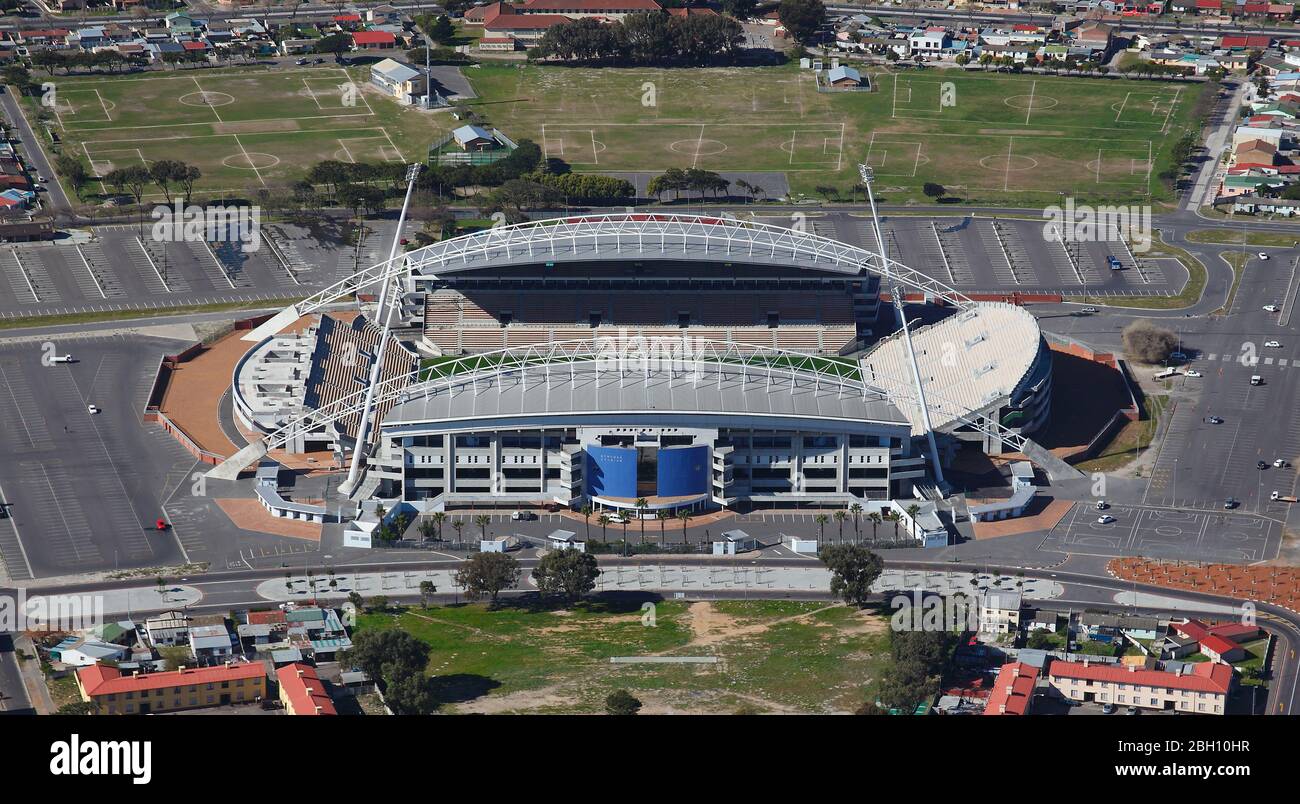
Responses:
[255,127]
[522,701]
[711,627]
[1045,517]
[865,622]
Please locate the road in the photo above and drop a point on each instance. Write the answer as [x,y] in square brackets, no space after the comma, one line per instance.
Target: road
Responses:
[55,197]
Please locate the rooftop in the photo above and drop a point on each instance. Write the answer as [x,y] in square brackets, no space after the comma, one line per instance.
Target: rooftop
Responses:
[100,680]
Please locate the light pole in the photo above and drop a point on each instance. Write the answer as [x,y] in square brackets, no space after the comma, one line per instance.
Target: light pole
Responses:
[349,485]
[895,291]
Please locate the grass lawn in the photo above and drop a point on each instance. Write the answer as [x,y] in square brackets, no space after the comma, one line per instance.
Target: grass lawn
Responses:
[1231,237]
[1006,138]
[783,656]
[244,128]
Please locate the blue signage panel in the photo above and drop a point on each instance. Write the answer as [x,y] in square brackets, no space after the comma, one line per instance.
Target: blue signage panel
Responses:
[683,471]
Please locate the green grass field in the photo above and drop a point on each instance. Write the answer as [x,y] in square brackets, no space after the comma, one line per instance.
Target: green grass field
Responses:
[1001,138]
[775,656]
[244,129]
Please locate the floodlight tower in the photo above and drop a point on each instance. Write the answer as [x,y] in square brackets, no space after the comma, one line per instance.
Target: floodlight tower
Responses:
[349,485]
[896,293]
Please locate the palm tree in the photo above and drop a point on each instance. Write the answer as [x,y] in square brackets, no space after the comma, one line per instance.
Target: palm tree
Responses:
[663,516]
[586,518]
[912,511]
[874,518]
[426,528]
[856,510]
[438,518]
[604,523]
[893,517]
[458,525]
[840,516]
[482,521]
[685,516]
[821,520]
[641,505]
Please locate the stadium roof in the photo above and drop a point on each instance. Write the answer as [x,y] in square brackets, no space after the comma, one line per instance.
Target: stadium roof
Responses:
[587,388]
[967,361]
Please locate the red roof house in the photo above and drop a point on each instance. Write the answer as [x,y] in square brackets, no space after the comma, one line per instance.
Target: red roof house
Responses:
[373,40]
[1013,691]
[302,692]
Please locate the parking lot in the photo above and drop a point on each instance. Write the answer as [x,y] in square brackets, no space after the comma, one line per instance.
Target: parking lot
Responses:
[998,255]
[1167,533]
[122,267]
[85,489]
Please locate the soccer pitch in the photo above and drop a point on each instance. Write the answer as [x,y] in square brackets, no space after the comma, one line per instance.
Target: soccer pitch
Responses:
[984,136]
[244,130]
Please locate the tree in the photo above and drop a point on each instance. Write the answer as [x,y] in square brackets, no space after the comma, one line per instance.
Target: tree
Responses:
[621,702]
[912,511]
[856,510]
[427,590]
[387,652]
[663,516]
[802,18]
[854,569]
[427,528]
[685,517]
[78,708]
[874,519]
[935,191]
[568,574]
[74,170]
[164,172]
[604,524]
[821,520]
[740,9]
[441,30]
[840,516]
[586,512]
[338,44]
[641,505]
[487,574]
[409,694]
[1146,342]
[482,520]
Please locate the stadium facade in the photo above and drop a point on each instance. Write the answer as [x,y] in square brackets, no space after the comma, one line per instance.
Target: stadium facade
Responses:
[687,361]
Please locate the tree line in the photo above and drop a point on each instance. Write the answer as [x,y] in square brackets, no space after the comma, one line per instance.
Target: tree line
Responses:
[653,37]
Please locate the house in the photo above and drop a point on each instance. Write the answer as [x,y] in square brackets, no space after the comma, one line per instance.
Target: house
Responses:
[1211,8]
[1000,612]
[1200,689]
[931,41]
[26,231]
[399,81]
[526,28]
[474,138]
[1256,151]
[302,692]
[211,644]
[168,629]
[317,632]
[1219,641]
[1245,42]
[844,77]
[1250,203]
[1046,620]
[187,688]
[82,652]
[499,44]
[1107,628]
[383,13]
[566,540]
[1013,690]
[731,542]
[373,40]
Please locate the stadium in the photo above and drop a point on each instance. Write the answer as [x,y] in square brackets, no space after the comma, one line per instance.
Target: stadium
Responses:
[662,362]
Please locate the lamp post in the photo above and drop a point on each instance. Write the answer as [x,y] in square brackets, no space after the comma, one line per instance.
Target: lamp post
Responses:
[363,427]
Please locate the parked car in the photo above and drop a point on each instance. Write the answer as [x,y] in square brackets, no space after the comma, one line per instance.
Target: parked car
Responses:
[1107,709]
[1263,256]
[1273,344]
[92,409]
[1261,465]
[1102,505]
[1193,373]
[1230,503]
[1281,463]
[1177,355]
[1089,310]
[301,62]
[1105,519]
[1215,420]
[1271,308]
[523,516]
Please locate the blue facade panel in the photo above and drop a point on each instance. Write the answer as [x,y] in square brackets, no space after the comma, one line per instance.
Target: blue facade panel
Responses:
[611,471]
[683,471]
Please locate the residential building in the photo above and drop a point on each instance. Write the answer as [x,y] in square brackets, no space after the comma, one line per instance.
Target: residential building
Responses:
[399,81]
[1199,689]
[188,688]
[1013,690]
[1000,612]
[168,628]
[210,644]
[302,691]
[373,40]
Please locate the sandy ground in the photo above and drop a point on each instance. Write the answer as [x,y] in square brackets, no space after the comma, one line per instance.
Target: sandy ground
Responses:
[1043,520]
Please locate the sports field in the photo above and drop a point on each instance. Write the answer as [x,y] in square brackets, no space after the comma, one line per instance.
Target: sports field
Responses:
[244,130]
[986,136]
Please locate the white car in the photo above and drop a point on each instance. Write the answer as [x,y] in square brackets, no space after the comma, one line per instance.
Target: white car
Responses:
[62,359]
[1263,256]
[1270,308]
[92,409]
[1273,344]
[1193,373]
[1105,519]
[617,519]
